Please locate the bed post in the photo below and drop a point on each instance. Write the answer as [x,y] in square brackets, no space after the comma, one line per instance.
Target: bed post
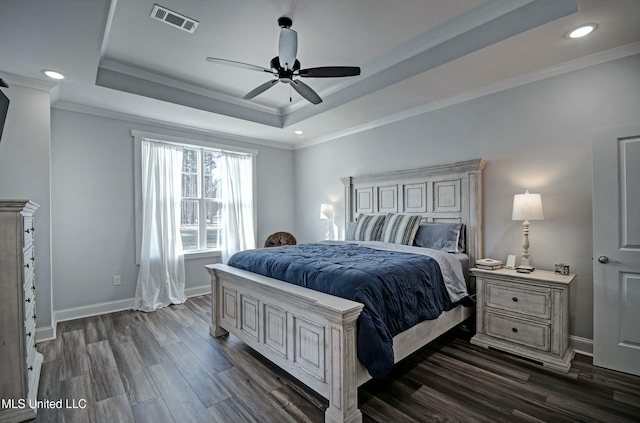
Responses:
[348,203]
[343,377]
[474,225]
[215,330]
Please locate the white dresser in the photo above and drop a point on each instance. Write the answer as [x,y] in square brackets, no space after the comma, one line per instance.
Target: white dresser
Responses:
[20,363]
[525,314]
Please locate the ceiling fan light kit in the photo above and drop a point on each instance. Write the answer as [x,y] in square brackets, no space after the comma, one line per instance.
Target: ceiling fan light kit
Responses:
[285,67]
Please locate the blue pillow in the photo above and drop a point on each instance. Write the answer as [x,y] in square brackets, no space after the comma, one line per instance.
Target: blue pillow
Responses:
[351,231]
[447,237]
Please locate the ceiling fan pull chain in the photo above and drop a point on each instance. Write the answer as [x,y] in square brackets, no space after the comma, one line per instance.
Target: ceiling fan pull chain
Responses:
[290,99]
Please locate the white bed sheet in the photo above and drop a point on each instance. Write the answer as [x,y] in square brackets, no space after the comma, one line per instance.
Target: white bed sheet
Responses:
[450,265]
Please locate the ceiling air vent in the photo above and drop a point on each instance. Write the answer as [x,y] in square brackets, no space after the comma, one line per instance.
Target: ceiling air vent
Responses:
[174,19]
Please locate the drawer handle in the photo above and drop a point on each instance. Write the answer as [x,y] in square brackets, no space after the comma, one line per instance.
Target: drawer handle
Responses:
[27,231]
[34,317]
[515,299]
[29,334]
[26,265]
[30,367]
[28,300]
[515,330]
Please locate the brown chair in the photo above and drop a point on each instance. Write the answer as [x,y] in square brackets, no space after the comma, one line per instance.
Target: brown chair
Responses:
[280,238]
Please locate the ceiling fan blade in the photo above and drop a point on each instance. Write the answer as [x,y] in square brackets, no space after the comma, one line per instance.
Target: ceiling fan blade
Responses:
[260,89]
[329,72]
[238,64]
[306,91]
[287,47]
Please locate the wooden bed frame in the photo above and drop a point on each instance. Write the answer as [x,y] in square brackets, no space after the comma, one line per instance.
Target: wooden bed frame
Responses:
[312,335]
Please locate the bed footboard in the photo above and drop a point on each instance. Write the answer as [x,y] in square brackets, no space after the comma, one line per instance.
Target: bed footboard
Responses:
[309,334]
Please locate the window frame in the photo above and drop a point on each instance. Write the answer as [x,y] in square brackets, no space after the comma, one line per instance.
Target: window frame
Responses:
[138,137]
[201,198]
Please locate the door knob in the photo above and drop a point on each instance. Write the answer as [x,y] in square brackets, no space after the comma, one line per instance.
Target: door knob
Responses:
[603,259]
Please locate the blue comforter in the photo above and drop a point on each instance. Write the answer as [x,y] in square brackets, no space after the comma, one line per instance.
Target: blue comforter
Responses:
[398,290]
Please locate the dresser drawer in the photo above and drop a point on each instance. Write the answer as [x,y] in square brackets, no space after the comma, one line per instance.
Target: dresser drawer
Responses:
[30,329]
[33,374]
[29,303]
[30,313]
[28,231]
[29,286]
[28,263]
[30,340]
[518,299]
[31,350]
[519,331]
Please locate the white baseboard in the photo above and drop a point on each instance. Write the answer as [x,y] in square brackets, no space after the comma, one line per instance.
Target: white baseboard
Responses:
[49,332]
[582,346]
[92,310]
[45,333]
[198,290]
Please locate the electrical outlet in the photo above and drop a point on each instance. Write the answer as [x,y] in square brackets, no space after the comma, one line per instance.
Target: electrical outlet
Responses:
[117,280]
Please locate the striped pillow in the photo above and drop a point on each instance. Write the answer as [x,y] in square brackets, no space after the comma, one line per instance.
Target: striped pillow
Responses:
[369,227]
[400,228]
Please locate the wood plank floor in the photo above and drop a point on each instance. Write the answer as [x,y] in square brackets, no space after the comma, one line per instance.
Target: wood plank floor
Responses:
[164,367]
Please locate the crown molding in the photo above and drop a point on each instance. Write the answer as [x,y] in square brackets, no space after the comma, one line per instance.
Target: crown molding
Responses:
[574,65]
[539,75]
[23,81]
[147,75]
[95,111]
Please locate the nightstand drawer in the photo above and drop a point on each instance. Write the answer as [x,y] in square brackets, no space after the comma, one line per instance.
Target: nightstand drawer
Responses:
[506,296]
[518,331]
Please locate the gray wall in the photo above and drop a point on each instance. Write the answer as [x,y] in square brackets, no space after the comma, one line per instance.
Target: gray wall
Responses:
[536,137]
[24,172]
[92,207]
[79,168]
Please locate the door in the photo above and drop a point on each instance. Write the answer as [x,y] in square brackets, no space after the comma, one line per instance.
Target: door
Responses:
[616,248]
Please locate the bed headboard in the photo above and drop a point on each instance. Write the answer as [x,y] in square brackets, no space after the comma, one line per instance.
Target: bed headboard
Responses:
[443,193]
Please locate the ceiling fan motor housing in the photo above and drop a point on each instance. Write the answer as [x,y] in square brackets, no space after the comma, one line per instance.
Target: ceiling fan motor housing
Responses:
[285,22]
[287,47]
[284,74]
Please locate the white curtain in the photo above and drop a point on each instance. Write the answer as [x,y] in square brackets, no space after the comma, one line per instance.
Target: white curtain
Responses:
[161,278]
[237,211]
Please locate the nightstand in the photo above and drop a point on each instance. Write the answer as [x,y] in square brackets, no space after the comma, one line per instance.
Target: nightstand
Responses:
[526,314]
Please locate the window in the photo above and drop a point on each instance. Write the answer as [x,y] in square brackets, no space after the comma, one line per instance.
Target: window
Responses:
[201,209]
[202,202]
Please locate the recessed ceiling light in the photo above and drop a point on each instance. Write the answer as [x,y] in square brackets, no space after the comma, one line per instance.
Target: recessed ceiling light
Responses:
[298,132]
[53,74]
[581,31]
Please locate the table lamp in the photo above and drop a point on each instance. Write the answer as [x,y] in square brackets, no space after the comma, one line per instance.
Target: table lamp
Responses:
[526,207]
[326,213]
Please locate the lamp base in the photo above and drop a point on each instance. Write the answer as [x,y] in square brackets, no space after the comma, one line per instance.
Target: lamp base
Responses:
[524,269]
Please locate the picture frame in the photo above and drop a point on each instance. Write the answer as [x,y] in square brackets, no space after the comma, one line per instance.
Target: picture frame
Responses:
[511,262]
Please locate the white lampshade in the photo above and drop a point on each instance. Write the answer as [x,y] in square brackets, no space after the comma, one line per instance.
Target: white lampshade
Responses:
[527,206]
[326,211]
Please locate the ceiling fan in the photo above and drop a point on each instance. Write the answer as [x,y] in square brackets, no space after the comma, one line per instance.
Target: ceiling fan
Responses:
[285,67]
